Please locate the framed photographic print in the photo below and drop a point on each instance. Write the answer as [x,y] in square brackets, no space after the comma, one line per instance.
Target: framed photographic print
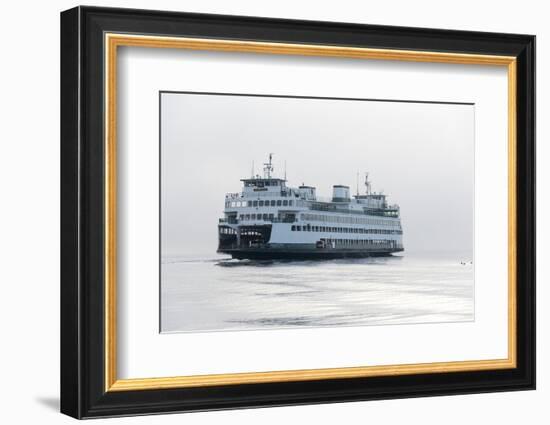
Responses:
[261,212]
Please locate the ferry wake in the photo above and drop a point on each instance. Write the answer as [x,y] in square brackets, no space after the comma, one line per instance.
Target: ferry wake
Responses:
[269,220]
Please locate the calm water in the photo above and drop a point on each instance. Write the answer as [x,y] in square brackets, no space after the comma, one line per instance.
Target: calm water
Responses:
[215,293]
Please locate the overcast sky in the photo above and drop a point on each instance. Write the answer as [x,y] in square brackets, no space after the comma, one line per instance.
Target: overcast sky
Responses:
[420,155]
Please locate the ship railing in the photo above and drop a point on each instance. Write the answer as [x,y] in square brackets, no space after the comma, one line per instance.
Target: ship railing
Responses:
[235,195]
[263,194]
[270,220]
[333,208]
[325,199]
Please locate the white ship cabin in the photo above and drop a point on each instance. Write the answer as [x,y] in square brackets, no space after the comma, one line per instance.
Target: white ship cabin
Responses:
[268,211]
[262,200]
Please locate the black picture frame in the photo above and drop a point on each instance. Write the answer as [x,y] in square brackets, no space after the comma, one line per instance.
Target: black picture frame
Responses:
[83,392]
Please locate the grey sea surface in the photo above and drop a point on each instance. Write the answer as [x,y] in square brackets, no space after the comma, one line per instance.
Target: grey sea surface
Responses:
[216,293]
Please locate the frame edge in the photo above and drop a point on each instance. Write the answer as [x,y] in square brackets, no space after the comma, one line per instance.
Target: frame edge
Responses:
[70,348]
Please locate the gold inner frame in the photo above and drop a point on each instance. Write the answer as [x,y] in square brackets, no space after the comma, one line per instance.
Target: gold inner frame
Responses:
[113,41]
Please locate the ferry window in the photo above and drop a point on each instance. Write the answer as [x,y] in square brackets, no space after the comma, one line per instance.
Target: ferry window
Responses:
[261,203]
[233,204]
[272,203]
[279,203]
[298,228]
[247,217]
[245,203]
[265,216]
[271,216]
[285,203]
[253,216]
[255,203]
[293,228]
[290,203]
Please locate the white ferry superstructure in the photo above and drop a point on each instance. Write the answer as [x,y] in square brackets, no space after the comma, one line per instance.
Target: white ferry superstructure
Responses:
[269,220]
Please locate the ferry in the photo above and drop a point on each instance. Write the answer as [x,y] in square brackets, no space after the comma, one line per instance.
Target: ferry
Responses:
[269,220]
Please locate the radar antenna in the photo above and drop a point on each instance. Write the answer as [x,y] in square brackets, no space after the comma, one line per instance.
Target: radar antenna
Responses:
[268,167]
[367,184]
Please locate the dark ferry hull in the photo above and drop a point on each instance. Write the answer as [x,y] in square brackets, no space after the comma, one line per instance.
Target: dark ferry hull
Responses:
[265,253]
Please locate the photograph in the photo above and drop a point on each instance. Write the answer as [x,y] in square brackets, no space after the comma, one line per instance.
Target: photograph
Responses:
[281,212]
